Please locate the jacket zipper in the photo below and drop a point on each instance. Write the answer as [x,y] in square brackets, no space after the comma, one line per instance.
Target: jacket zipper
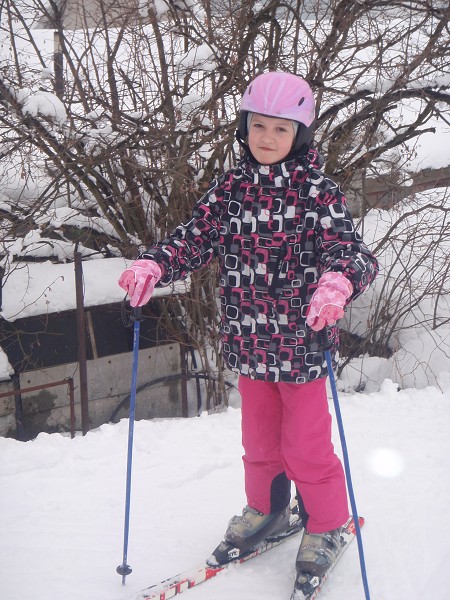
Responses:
[275,278]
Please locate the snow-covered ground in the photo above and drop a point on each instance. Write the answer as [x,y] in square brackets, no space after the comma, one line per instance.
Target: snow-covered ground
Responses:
[62,506]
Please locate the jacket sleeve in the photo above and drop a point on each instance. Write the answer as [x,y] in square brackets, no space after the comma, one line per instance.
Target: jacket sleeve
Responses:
[193,244]
[339,246]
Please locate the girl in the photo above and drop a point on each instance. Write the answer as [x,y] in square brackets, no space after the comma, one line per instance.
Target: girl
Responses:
[290,262]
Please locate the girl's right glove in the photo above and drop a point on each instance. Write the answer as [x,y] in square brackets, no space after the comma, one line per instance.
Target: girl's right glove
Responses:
[139,280]
[329,300]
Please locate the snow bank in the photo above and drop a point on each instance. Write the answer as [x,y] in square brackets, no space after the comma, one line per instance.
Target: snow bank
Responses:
[41,288]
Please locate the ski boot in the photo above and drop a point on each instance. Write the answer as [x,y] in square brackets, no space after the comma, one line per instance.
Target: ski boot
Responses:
[316,554]
[246,531]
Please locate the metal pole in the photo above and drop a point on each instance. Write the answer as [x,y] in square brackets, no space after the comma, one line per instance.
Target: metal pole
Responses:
[21,432]
[184,396]
[72,407]
[81,329]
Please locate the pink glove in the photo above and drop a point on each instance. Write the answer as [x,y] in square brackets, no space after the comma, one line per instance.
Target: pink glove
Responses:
[328,301]
[139,280]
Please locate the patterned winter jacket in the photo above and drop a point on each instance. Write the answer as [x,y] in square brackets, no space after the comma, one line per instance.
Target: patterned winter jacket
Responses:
[275,230]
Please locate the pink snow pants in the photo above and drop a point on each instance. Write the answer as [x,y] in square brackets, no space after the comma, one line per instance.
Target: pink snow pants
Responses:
[286,434]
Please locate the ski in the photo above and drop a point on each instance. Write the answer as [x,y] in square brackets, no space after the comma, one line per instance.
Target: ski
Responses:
[174,586]
[308,587]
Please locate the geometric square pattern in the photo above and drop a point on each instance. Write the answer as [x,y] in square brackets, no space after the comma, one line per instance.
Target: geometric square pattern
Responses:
[275,229]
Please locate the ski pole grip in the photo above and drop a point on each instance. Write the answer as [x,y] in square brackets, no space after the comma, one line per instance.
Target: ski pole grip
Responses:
[136,313]
[324,339]
[130,314]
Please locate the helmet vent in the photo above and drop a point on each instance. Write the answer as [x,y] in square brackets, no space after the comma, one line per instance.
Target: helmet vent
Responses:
[250,90]
[302,99]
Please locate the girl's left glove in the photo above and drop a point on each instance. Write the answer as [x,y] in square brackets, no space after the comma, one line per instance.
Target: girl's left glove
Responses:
[329,300]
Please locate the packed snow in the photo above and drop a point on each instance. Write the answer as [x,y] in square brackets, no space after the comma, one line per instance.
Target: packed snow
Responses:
[62,506]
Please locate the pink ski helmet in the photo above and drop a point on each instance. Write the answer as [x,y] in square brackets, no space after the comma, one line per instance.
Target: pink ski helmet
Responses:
[284,95]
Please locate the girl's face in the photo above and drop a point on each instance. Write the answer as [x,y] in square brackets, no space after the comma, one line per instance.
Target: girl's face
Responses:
[270,138]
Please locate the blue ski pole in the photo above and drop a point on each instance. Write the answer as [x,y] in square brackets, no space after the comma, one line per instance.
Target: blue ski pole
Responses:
[124,569]
[324,341]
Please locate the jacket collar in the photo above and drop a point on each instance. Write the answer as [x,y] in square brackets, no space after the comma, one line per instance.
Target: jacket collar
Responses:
[280,174]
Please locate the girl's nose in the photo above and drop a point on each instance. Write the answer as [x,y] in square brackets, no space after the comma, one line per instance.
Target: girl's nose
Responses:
[267,135]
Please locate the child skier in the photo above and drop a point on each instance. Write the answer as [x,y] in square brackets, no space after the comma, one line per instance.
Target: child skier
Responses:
[290,261]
